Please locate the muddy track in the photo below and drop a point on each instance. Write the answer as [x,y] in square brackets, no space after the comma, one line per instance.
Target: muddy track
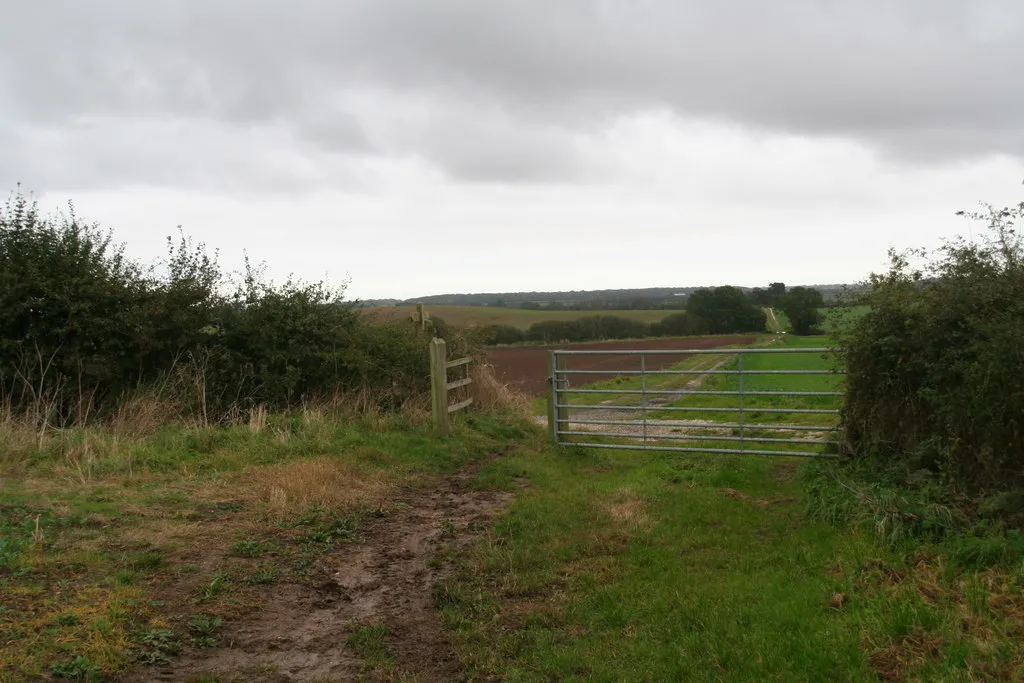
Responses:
[385,579]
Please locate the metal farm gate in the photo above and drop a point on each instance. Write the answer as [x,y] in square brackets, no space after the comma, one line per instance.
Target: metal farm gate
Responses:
[752,408]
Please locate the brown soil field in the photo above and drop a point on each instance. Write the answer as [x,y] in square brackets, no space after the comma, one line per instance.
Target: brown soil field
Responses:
[470,316]
[525,367]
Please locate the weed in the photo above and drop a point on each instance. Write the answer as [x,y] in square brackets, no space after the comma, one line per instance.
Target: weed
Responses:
[203,629]
[157,646]
[447,527]
[247,548]
[67,619]
[264,575]
[148,561]
[215,587]
[77,669]
[124,577]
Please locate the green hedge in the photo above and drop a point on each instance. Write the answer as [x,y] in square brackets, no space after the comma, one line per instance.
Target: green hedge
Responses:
[81,326]
[936,368]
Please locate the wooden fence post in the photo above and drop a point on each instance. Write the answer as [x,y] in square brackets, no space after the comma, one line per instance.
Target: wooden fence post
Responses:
[439,386]
[421,318]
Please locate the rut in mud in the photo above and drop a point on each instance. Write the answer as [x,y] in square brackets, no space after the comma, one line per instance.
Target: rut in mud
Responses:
[383,582]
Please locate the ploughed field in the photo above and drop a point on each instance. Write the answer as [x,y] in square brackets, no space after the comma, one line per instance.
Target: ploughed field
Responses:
[526,367]
[469,316]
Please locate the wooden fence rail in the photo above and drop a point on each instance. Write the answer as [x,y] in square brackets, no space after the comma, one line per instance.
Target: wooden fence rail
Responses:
[440,386]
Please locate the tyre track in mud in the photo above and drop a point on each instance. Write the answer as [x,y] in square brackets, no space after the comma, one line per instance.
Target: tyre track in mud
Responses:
[384,579]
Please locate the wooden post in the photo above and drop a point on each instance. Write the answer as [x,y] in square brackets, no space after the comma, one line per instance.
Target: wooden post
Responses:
[421,318]
[439,386]
[555,362]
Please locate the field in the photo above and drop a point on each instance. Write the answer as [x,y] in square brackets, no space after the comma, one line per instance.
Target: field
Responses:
[466,316]
[676,417]
[837,319]
[525,367]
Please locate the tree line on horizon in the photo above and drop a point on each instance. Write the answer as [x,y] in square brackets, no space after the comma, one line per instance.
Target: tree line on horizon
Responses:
[718,310]
[650,298]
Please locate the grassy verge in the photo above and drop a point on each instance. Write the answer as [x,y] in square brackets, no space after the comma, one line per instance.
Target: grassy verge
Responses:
[645,566]
[117,550]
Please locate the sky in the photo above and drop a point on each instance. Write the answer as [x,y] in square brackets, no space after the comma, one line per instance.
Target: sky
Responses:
[420,147]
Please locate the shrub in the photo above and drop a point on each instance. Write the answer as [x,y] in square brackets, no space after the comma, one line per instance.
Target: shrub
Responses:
[936,368]
[82,326]
[727,309]
[681,324]
[589,328]
[500,334]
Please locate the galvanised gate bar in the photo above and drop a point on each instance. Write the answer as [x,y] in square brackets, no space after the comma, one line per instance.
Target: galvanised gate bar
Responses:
[640,432]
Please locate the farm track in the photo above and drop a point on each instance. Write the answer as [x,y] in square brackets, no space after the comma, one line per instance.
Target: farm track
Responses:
[383,580]
[653,427]
[525,367]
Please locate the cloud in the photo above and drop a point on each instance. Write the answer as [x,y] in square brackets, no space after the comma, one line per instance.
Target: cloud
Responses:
[485,91]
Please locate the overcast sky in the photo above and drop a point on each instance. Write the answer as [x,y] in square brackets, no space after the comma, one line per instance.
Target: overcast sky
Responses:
[457,146]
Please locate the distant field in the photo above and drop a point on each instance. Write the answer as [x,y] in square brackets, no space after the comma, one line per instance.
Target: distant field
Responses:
[837,319]
[464,316]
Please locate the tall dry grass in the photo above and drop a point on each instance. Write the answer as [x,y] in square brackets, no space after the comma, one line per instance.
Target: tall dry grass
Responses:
[492,396]
[326,482]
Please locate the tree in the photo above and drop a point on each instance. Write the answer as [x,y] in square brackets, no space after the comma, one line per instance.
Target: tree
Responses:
[769,297]
[776,293]
[801,305]
[726,309]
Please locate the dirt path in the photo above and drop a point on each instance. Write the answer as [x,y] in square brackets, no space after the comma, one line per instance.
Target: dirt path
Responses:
[385,580]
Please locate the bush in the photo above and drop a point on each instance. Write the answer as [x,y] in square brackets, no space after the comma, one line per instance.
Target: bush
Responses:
[589,328]
[727,309]
[936,368]
[492,335]
[680,325]
[81,326]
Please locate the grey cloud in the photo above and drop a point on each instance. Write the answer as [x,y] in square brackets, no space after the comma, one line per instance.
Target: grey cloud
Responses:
[919,79]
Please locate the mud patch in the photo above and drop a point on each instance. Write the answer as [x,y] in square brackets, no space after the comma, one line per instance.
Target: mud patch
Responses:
[304,633]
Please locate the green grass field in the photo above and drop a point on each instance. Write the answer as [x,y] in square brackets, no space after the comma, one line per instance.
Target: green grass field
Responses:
[465,316]
[643,566]
[836,319]
[787,361]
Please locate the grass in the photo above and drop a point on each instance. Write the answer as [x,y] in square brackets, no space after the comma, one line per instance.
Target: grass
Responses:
[113,556]
[653,566]
[838,319]
[609,565]
[756,383]
[466,316]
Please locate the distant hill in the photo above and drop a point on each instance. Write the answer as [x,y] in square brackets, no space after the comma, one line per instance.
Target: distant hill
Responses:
[504,299]
[590,299]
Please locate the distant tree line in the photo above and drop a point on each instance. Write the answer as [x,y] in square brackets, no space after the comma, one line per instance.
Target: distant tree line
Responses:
[722,310]
[638,303]
[651,298]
